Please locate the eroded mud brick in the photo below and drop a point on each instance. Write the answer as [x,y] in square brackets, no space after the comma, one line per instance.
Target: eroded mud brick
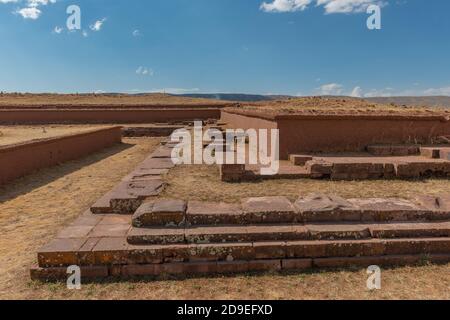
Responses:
[111,251]
[299,160]
[390,209]
[169,213]
[270,250]
[223,252]
[155,236]
[211,213]
[338,231]
[268,210]
[411,230]
[60,252]
[296,264]
[318,207]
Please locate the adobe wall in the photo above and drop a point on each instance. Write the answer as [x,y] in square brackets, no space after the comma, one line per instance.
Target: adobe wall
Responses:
[21,159]
[314,134]
[106,116]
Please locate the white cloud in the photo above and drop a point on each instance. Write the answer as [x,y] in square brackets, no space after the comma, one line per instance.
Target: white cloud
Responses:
[97,26]
[285,5]
[58,30]
[144,71]
[29,13]
[136,33]
[356,92]
[174,90]
[31,9]
[444,91]
[330,6]
[331,89]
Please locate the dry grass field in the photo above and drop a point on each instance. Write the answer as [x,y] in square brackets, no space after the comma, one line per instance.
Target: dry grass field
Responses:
[209,187]
[37,100]
[19,134]
[337,106]
[33,209]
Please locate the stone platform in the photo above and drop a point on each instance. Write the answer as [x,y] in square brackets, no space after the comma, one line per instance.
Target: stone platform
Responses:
[259,234]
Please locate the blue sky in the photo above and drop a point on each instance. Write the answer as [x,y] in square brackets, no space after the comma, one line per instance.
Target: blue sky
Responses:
[298,47]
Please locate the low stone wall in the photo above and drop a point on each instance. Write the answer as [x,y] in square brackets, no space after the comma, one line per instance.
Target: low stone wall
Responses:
[21,159]
[335,133]
[158,115]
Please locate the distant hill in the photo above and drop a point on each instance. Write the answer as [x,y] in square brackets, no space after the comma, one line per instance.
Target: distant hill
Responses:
[235,96]
[430,101]
[434,101]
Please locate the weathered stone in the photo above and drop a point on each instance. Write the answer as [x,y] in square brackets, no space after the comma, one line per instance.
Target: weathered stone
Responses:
[299,160]
[111,251]
[223,252]
[268,210]
[232,172]
[170,213]
[410,230]
[155,236]
[270,250]
[210,213]
[110,230]
[75,232]
[318,207]
[338,231]
[102,205]
[162,152]
[60,252]
[129,195]
[392,209]
[296,264]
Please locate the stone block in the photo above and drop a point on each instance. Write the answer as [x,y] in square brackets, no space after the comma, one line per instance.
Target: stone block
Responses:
[210,213]
[268,210]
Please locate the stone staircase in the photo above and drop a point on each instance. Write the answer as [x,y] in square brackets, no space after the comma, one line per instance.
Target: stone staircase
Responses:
[260,234]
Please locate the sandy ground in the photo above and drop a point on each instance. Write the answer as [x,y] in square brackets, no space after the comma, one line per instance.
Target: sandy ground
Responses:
[19,134]
[209,187]
[35,208]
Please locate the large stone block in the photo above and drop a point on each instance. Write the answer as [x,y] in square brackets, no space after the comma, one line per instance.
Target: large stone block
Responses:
[268,210]
[165,212]
[318,207]
[211,213]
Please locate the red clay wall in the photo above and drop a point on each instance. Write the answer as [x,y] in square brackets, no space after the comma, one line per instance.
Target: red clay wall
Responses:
[106,116]
[21,159]
[303,134]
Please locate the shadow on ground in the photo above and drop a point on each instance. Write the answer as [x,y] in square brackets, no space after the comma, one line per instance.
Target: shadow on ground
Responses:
[44,176]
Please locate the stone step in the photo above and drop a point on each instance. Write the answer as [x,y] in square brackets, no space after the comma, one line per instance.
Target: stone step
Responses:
[117,251]
[275,210]
[183,269]
[255,233]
